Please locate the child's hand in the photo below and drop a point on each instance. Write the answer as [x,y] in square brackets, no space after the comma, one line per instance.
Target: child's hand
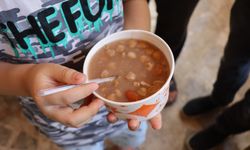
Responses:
[56,106]
[133,125]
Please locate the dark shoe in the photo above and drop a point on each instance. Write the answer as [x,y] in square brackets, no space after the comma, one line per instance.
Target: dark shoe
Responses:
[199,106]
[172,92]
[206,139]
[247,148]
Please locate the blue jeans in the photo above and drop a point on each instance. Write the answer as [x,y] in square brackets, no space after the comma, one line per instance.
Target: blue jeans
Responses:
[235,64]
[123,138]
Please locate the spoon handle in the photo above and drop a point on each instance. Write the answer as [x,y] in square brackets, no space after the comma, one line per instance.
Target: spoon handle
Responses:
[46,92]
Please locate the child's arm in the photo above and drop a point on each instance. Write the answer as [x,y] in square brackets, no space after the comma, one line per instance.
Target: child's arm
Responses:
[12,79]
[28,80]
[137,15]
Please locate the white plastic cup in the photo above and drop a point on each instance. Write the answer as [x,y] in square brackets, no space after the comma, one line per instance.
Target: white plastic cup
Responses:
[148,107]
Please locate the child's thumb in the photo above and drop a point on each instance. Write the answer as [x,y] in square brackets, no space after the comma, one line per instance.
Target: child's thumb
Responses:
[69,76]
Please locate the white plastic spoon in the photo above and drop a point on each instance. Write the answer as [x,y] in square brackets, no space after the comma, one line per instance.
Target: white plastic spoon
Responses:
[54,90]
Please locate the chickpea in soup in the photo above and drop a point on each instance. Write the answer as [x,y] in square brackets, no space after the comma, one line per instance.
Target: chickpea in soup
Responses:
[140,67]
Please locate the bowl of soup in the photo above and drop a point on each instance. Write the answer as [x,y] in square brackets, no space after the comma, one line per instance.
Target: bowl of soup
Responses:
[143,65]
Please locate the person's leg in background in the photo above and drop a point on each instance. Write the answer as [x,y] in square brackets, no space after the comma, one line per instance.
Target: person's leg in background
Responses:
[172,22]
[233,72]
[234,120]
[234,67]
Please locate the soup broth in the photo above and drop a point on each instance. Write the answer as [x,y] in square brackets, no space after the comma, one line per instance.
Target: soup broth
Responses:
[140,68]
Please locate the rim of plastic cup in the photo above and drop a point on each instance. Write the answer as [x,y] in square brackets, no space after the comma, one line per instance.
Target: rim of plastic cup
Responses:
[85,67]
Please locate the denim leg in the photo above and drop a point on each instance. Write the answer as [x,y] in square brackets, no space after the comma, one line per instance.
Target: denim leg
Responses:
[173,18]
[96,146]
[125,138]
[235,64]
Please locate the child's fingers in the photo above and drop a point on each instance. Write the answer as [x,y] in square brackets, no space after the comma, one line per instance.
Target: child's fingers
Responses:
[133,124]
[74,118]
[58,113]
[83,114]
[66,75]
[70,96]
[156,122]
[112,118]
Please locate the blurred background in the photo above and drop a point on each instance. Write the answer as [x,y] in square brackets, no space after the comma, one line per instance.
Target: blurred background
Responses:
[196,71]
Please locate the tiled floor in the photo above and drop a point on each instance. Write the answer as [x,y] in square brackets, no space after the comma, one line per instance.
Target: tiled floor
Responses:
[195,73]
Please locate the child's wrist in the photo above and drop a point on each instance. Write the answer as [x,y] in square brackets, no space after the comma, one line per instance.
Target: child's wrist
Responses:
[26,79]
[20,78]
